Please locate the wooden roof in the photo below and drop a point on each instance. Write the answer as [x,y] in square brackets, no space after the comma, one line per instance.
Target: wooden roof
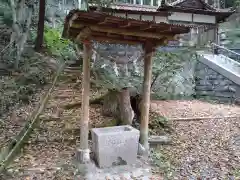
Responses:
[195,6]
[133,8]
[102,27]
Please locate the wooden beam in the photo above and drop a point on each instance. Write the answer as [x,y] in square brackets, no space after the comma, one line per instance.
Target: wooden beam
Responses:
[116,40]
[151,2]
[145,104]
[130,32]
[126,32]
[146,27]
[83,152]
[84,34]
[104,22]
[125,25]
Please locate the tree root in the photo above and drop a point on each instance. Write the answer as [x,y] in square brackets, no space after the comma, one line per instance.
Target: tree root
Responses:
[98,100]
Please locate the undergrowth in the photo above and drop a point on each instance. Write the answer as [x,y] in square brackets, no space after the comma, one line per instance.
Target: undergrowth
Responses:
[159,124]
[56,45]
[18,87]
[163,165]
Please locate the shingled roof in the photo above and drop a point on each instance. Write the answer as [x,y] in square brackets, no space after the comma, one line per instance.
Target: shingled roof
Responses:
[195,6]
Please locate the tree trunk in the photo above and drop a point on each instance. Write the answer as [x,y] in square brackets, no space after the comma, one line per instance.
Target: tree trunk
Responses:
[117,104]
[126,112]
[111,104]
[39,40]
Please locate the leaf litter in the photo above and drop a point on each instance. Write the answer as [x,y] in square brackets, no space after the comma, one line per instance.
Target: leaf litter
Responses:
[201,149]
[204,149]
[50,152]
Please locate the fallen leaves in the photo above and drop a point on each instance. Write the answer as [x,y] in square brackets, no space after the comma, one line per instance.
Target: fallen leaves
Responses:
[202,149]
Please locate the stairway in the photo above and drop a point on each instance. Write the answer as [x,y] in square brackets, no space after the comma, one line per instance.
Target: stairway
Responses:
[218,75]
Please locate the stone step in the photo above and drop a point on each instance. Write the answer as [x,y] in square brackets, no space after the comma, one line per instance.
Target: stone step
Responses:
[222,64]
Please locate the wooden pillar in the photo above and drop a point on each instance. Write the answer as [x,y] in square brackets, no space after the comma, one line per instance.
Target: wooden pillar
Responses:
[83,150]
[151,3]
[145,104]
[216,39]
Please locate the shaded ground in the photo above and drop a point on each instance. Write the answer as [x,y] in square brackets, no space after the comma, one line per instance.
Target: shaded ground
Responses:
[51,148]
[208,148]
[50,152]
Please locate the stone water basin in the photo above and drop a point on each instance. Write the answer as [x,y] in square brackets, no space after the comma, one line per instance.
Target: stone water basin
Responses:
[117,145]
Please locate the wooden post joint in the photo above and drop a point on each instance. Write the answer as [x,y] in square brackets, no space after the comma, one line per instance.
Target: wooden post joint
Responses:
[149,47]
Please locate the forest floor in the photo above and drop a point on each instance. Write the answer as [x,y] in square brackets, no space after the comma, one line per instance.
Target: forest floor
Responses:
[201,148]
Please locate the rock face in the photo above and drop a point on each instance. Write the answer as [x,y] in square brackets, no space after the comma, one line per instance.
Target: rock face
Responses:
[181,84]
[212,85]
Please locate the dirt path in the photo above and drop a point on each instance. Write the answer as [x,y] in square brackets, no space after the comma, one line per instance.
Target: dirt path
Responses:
[202,149]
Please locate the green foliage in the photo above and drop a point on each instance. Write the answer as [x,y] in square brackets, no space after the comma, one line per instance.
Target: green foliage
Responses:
[167,67]
[232,3]
[236,3]
[5,14]
[158,124]
[236,173]
[163,165]
[56,45]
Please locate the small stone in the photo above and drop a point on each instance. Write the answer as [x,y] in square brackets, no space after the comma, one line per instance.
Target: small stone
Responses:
[145,178]
[126,176]
[107,178]
[141,150]
[10,170]
[116,177]
[147,170]
[137,173]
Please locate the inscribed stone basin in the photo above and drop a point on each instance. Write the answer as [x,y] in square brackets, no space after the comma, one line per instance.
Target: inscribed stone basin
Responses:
[116,145]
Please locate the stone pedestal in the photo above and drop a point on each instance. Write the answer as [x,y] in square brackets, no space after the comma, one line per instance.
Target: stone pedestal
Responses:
[116,145]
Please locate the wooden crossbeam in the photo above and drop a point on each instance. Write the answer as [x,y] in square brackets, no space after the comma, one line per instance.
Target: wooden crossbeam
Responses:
[126,32]
[126,25]
[84,34]
[116,40]
[149,26]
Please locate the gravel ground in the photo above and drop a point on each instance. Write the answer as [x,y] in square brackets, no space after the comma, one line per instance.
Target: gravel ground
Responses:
[204,149]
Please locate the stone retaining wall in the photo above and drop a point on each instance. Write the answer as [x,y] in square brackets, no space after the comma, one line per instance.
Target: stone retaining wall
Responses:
[214,86]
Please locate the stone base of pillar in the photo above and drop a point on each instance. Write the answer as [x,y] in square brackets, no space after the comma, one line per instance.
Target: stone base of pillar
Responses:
[143,152]
[83,156]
